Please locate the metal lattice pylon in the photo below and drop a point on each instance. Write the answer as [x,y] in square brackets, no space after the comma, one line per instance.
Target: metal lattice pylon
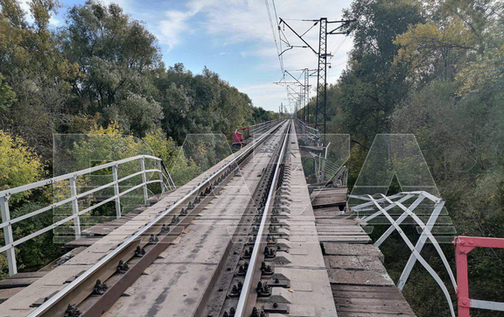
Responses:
[320,108]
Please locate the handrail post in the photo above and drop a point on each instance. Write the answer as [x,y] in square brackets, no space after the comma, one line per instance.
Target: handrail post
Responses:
[462,249]
[161,176]
[171,182]
[116,191]
[75,207]
[11,253]
[144,180]
[464,303]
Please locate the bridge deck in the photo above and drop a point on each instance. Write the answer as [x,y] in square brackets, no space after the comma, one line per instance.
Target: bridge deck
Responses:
[331,267]
[22,302]
[177,280]
[360,283]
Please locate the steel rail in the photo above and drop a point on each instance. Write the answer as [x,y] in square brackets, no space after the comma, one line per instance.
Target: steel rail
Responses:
[123,246]
[241,308]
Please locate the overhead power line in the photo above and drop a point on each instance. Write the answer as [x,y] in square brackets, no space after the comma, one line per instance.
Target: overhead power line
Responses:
[278,44]
[323,56]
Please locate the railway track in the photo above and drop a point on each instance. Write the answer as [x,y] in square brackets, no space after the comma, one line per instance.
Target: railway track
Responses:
[254,251]
[96,289]
[220,246]
[240,240]
[248,278]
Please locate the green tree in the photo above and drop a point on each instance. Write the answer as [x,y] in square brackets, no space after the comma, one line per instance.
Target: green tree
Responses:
[116,57]
[182,170]
[434,69]
[434,50]
[200,104]
[372,86]
[32,65]
[7,95]
[261,115]
[19,165]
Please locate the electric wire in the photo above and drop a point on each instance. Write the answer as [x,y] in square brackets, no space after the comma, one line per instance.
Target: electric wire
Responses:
[280,32]
[309,29]
[277,44]
[339,46]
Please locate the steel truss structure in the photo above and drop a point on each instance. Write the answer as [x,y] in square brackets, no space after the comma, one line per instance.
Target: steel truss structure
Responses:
[383,205]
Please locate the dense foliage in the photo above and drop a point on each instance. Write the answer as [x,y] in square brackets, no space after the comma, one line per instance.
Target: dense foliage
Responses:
[99,81]
[103,66]
[434,69]
[18,164]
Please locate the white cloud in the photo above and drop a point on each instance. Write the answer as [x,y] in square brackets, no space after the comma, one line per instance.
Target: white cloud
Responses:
[265,94]
[175,22]
[246,21]
[53,21]
[126,5]
[25,6]
[171,29]
[235,21]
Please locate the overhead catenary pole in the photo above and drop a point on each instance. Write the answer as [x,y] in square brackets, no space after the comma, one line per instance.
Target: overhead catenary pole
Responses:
[295,96]
[306,111]
[307,74]
[299,98]
[321,101]
[300,101]
[322,55]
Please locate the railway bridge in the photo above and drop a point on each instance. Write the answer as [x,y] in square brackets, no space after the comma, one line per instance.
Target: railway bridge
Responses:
[248,237]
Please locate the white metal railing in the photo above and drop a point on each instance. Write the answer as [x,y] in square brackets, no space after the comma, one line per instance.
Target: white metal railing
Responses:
[7,222]
[262,127]
[309,134]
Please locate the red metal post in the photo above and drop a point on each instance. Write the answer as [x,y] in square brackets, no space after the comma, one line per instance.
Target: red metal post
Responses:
[464,245]
[464,303]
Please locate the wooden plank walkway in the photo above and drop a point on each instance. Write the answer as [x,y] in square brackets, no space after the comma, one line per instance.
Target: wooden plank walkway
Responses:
[340,229]
[360,283]
[329,196]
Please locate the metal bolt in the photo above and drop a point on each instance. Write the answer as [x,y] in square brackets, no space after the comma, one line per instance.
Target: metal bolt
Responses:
[139,252]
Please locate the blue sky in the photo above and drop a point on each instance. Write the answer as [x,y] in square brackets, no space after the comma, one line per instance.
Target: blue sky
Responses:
[234,38]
